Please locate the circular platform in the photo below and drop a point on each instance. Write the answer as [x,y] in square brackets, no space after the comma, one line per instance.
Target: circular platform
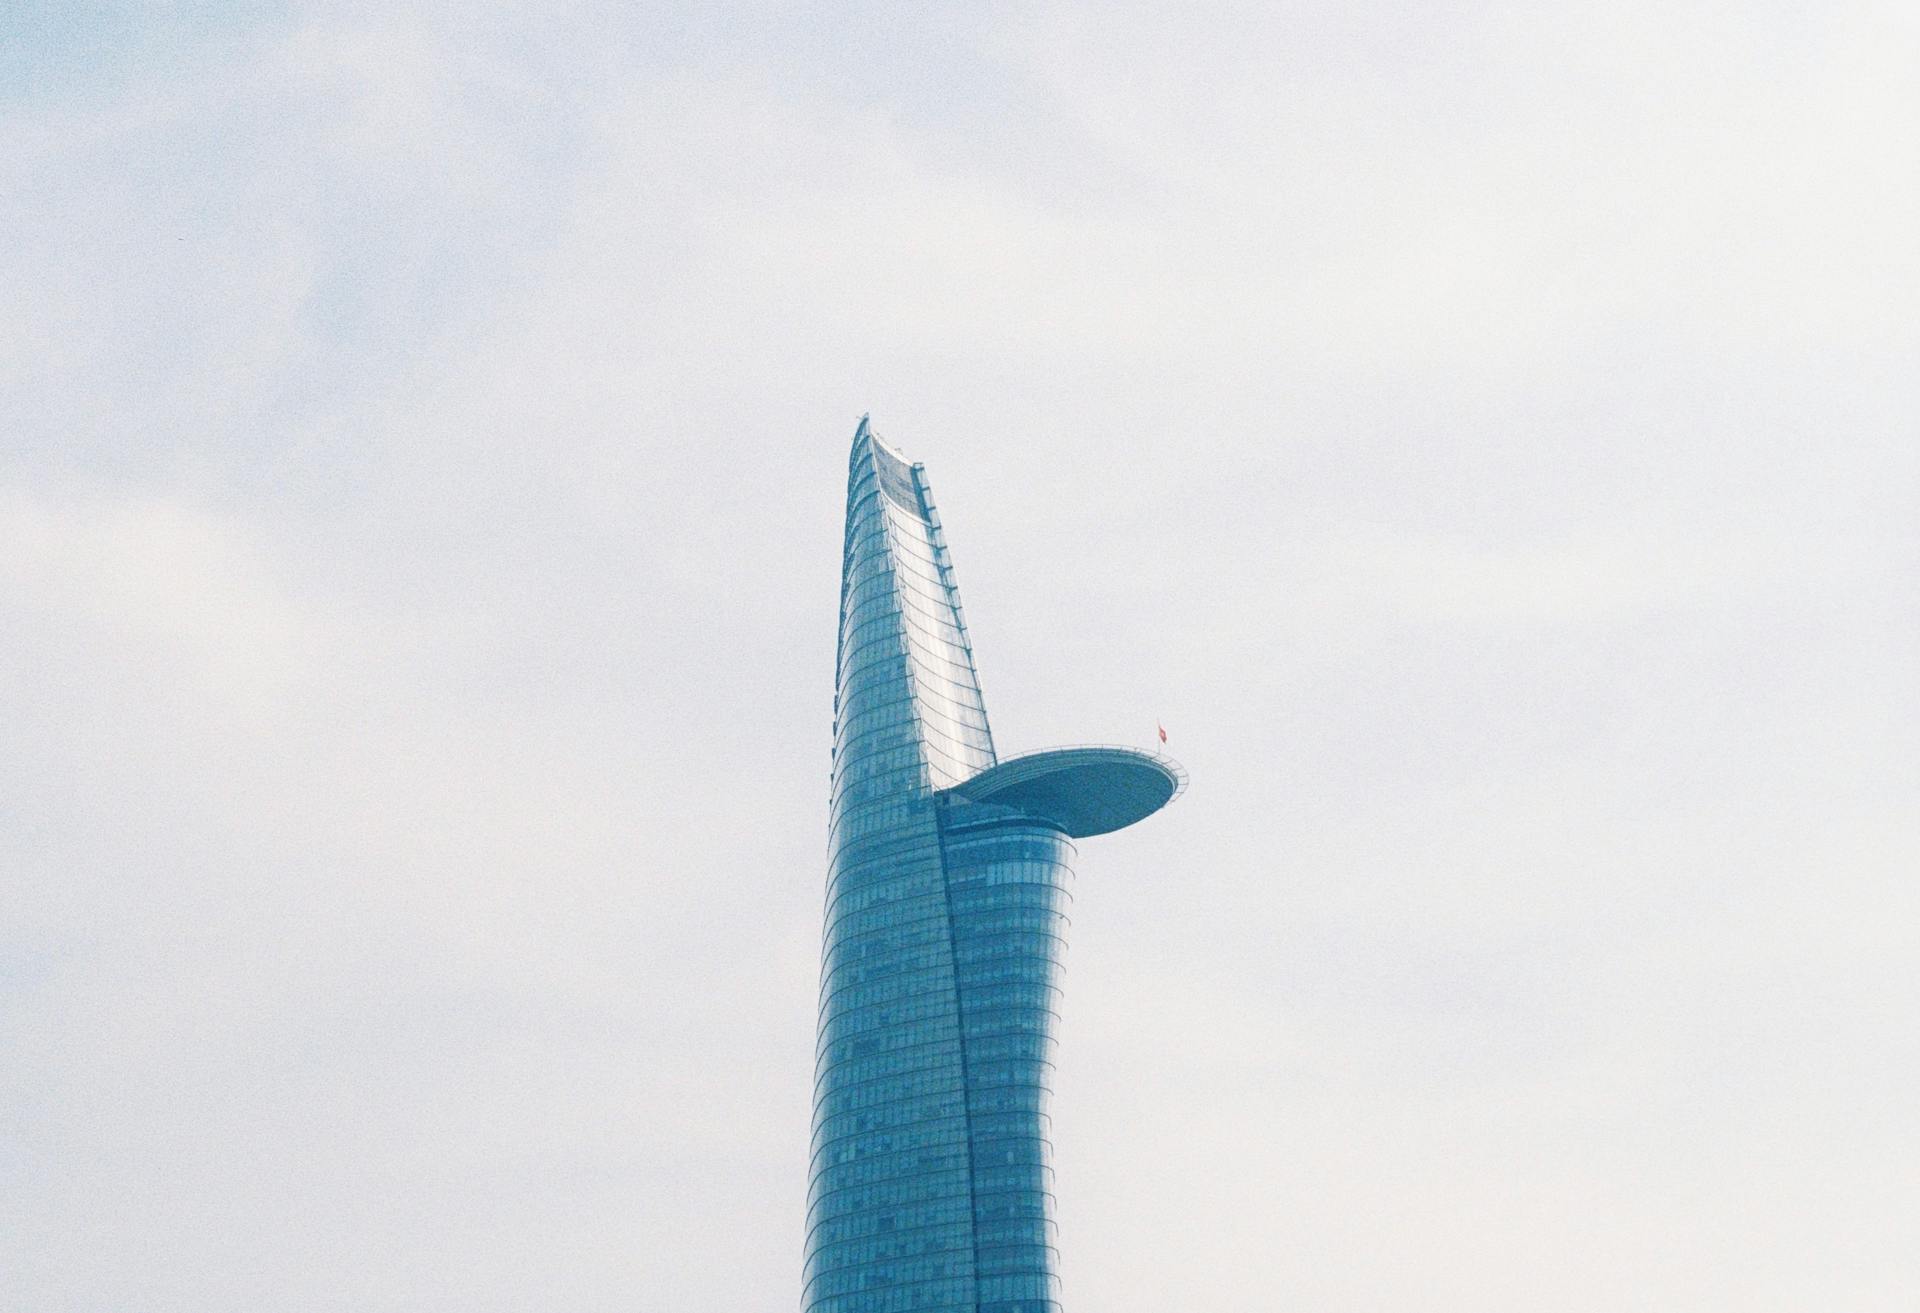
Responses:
[1084,791]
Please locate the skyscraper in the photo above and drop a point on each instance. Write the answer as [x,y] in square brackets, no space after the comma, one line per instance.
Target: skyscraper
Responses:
[947,891]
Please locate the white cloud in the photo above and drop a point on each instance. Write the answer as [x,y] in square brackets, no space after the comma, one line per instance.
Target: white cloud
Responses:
[1482,436]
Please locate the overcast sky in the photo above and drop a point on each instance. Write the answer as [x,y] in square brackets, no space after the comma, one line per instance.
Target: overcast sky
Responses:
[1484,435]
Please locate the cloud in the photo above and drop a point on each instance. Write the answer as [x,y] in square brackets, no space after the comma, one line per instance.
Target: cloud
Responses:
[1481,436]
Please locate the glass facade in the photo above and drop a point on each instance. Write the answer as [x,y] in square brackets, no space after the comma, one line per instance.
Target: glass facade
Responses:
[946,911]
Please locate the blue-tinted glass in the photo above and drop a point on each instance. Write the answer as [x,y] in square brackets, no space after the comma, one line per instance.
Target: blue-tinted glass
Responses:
[931,1179]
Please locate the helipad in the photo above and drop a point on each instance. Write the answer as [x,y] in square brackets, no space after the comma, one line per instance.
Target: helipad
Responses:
[1084,791]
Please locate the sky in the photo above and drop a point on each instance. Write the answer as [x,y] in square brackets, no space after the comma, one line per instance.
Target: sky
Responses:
[1484,435]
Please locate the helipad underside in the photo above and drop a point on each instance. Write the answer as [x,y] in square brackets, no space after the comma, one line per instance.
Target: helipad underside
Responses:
[1084,791]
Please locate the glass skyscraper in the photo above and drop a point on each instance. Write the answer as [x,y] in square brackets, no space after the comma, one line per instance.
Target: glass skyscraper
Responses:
[947,894]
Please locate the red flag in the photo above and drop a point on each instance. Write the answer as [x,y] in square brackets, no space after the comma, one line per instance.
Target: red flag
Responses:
[1163,730]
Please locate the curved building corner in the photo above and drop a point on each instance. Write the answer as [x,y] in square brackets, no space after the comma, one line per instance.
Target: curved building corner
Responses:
[948,886]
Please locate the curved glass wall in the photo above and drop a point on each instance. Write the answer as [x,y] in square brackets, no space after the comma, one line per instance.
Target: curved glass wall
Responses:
[890,1207]
[931,1177]
[1007,892]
